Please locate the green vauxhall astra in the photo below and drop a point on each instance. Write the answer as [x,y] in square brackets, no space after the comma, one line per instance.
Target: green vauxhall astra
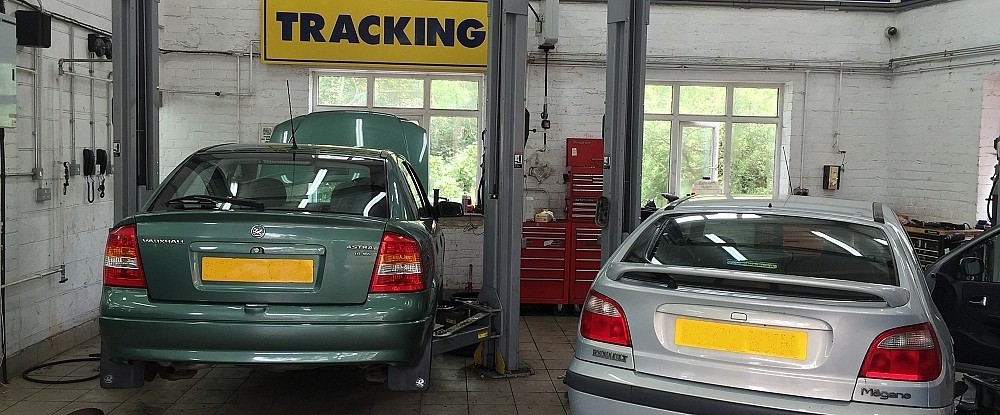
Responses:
[285,255]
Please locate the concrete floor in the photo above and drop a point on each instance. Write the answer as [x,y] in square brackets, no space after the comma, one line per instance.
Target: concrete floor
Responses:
[546,345]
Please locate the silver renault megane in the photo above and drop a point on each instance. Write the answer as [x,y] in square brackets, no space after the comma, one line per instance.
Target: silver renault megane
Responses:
[793,305]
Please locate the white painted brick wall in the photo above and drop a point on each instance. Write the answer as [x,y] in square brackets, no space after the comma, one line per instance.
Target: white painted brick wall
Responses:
[67,229]
[942,119]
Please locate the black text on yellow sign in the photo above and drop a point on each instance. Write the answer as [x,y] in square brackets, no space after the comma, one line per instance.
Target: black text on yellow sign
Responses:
[401,34]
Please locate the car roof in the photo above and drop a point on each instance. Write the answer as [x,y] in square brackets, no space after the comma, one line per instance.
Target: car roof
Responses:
[794,205]
[310,148]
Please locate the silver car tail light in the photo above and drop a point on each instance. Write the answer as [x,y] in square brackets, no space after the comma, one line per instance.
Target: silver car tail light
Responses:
[603,320]
[907,353]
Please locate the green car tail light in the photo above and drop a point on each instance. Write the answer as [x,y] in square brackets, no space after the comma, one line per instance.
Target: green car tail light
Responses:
[907,353]
[603,320]
[122,267]
[398,268]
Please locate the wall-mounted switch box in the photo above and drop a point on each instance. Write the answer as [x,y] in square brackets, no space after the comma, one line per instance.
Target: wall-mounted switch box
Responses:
[831,177]
[74,169]
[37,174]
[43,194]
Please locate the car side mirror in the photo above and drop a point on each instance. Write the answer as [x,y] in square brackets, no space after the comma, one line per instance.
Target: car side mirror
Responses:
[447,209]
[972,267]
[603,210]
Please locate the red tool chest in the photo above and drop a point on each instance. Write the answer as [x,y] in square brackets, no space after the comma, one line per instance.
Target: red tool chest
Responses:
[543,263]
[561,259]
[585,260]
[583,186]
[585,152]
[584,178]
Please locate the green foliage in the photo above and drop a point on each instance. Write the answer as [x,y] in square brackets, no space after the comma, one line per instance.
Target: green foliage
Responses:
[659,99]
[454,155]
[753,159]
[695,155]
[703,100]
[762,102]
[454,95]
[655,160]
[399,93]
[342,91]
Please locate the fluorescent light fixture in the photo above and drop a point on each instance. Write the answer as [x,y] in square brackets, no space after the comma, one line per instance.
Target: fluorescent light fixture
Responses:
[837,242]
[715,238]
[732,251]
[312,188]
[372,203]
[691,218]
[723,216]
[359,132]
[320,175]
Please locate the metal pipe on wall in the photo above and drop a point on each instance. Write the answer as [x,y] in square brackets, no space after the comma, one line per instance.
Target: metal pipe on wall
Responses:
[36,108]
[72,100]
[93,109]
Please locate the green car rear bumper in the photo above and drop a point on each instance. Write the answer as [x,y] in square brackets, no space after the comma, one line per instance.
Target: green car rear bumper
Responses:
[385,329]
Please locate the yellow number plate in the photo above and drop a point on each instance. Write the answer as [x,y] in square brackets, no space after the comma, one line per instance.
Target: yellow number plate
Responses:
[736,338]
[216,269]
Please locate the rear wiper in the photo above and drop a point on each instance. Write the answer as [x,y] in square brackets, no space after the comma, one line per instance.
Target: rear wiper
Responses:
[211,202]
[654,277]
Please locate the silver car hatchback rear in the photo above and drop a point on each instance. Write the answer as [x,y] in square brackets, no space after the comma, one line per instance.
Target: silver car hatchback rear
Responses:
[763,306]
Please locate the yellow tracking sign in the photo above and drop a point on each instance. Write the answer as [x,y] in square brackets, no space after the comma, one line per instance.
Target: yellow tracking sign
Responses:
[400,34]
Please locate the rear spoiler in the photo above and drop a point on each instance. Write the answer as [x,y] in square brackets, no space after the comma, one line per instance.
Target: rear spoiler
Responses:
[892,295]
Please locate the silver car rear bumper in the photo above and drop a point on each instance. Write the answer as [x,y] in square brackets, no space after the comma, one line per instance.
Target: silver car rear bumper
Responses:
[600,389]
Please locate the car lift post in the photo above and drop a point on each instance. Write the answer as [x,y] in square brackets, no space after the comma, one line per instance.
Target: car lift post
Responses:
[136,121]
[626,80]
[503,149]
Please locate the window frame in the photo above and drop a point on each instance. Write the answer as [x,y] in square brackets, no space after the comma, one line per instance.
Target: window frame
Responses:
[678,121]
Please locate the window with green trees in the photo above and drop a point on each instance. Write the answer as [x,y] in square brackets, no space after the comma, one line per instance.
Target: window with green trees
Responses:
[449,107]
[722,132]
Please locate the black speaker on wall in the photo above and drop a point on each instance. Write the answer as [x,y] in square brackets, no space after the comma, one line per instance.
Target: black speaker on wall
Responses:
[34,28]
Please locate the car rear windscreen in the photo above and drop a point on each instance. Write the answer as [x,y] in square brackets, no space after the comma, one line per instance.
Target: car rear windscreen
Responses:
[772,244]
[278,181]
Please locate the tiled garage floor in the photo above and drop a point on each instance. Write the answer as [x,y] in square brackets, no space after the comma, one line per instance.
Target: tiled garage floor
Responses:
[546,345]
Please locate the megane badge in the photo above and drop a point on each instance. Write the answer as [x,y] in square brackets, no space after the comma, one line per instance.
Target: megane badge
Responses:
[257,231]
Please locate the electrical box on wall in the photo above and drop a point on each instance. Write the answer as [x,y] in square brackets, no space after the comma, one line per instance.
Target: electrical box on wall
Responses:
[34,28]
[548,33]
[8,84]
[831,177]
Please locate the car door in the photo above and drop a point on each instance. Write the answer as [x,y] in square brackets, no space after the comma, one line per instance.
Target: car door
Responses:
[965,286]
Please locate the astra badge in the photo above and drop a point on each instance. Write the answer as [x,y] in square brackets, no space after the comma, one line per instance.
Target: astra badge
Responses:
[257,231]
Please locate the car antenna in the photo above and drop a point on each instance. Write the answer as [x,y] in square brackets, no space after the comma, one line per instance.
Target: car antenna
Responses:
[291,118]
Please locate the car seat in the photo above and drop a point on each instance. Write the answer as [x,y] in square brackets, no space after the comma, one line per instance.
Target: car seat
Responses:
[271,192]
[360,196]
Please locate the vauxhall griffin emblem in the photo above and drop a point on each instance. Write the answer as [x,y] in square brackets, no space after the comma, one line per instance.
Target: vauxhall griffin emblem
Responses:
[257,231]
